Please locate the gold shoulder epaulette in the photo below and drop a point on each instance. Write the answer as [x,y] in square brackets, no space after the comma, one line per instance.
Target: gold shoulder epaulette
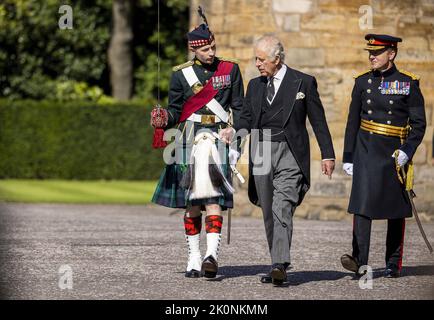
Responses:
[411,75]
[230,60]
[182,66]
[361,74]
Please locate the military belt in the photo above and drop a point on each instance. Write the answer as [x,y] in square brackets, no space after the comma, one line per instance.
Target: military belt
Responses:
[385,129]
[204,118]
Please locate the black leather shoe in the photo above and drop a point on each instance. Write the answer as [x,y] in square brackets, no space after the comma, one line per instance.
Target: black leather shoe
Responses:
[193,274]
[278,274]
[392,272]
[209,267]
[349,263]
[268,279]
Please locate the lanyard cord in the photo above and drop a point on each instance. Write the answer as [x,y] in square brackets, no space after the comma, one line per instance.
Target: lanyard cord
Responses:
[158,51]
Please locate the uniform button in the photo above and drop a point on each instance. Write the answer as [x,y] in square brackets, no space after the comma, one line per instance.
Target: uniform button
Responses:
[390,112]
[389,122]
[368,101]
[370,132]
[368,91]
[391,101]
[370,112]
[206,71]
[369,80]
[206,81]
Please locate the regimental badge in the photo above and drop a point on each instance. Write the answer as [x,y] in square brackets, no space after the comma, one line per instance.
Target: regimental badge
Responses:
[395,87]
[197,87]
[221,82]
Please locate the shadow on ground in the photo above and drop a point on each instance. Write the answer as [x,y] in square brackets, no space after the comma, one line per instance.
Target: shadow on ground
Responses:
[427,270]
[294,278]
[302,277]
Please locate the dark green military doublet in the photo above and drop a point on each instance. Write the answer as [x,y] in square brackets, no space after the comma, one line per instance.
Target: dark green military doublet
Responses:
[230,96]
[170,192]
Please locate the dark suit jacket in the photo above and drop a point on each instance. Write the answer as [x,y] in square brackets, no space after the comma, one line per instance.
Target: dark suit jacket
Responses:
[293,112]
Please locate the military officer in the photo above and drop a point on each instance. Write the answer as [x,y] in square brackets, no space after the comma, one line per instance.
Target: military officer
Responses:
[202,92]
[386,123]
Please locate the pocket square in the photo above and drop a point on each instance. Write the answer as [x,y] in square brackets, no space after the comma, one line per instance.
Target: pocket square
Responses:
[300,95]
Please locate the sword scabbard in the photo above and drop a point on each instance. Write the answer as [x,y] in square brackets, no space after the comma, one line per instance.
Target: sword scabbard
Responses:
[412,195]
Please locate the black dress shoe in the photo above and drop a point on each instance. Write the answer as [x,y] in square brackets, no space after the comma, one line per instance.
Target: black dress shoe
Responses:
[209,267]
[349,263]
[278,274]
[392,272]
[193,274]
[268,279]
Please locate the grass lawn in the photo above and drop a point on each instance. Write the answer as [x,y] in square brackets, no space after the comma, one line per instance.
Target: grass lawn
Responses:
[66,191]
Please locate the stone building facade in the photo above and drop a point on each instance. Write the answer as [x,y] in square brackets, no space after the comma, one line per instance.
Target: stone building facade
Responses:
[325,38]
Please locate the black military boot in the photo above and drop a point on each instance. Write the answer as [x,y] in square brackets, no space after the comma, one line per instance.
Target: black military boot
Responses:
[392,271]
[209,267]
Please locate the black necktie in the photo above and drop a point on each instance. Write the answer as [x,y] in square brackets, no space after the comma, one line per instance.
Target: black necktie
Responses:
[270,90]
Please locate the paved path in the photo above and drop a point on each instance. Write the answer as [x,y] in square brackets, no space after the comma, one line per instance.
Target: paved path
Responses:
[138,252]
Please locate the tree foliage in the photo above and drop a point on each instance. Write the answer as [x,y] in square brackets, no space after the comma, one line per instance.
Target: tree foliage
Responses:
[38,60]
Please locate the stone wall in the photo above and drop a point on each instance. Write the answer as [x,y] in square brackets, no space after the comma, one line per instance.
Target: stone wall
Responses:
[324,38]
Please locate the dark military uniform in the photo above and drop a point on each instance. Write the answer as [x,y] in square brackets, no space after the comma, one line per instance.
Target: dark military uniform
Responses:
[380,101]
[377,192]
[170,192]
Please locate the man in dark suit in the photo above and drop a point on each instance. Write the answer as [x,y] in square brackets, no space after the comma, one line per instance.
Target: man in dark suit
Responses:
[274,112]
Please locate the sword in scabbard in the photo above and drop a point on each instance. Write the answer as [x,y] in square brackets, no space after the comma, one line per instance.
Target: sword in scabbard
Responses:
[242,180]
[237,173]
[229,225]
[412,195]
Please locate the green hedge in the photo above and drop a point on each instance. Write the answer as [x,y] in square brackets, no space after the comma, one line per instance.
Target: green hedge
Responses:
[76,140]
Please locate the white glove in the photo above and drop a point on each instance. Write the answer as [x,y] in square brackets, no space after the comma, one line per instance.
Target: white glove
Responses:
[402,158]
[348,168]
[234,155]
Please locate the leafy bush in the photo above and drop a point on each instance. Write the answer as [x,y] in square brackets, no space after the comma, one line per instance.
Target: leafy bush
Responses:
[77,140]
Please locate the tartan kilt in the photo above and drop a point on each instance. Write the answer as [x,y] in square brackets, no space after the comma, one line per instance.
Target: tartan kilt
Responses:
[169,192]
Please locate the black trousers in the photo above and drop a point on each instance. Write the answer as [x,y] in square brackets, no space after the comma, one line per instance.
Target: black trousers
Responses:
[394,241]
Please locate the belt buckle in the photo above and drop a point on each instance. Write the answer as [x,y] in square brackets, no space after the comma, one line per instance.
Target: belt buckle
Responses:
[207,119]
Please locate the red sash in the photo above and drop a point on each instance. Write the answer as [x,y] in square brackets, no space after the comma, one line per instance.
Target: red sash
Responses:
[204,96]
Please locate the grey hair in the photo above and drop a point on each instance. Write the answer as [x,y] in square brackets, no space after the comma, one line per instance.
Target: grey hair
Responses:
[272,45]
